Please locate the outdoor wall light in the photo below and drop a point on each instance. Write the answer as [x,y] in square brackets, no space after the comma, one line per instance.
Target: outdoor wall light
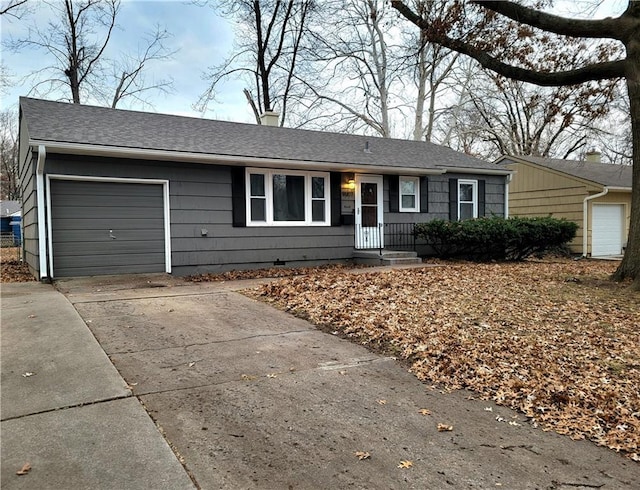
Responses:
[351,184]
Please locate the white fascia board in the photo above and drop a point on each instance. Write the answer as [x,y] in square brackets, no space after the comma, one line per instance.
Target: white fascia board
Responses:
[166,155]
[479,171]
[618,189]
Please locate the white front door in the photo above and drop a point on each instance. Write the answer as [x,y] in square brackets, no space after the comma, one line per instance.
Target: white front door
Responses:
[369,211]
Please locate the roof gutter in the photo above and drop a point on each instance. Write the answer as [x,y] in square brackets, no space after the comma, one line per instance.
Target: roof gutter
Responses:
[147,154]
[585,218]
[42,237]
[481,171]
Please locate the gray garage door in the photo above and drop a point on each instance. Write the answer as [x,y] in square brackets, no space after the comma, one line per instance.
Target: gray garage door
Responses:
[106,228]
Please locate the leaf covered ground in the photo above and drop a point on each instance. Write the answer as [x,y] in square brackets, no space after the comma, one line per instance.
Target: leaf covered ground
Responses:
[553,339]
[11,268]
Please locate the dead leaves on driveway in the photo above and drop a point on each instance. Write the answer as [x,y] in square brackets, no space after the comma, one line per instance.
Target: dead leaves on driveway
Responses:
[555,340]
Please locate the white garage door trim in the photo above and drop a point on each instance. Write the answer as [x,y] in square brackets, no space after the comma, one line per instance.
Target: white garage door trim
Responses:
[616,248]
[86,178]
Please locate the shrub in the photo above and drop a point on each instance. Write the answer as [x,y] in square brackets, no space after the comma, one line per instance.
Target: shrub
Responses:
[496,238]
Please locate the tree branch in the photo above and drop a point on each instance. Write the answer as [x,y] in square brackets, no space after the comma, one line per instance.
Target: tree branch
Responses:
[605,28]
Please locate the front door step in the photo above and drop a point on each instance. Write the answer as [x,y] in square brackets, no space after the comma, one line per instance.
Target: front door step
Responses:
[386,257]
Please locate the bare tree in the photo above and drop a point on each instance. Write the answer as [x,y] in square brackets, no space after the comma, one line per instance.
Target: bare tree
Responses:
[269,41]
[513,19]
[13,8]
[128,73]
[354,69]
[76,41]
[9,155]
[514,118]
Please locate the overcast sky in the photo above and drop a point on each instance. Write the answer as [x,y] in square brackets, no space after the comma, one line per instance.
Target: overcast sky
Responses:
[201,37]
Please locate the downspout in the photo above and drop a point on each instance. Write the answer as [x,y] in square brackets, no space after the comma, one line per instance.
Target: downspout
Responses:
[506,195]
[42,236]
[585,219]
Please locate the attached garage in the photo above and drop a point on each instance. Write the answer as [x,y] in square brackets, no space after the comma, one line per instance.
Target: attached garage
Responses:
[607,229]
[102,227]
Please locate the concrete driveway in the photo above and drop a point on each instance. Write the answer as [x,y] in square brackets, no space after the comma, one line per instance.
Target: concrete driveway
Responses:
[251,397]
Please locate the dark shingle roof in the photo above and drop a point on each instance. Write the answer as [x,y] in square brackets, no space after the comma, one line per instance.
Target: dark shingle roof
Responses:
[606,174]
[71,123]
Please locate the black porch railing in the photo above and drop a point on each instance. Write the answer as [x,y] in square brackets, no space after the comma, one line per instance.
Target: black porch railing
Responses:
[395,236]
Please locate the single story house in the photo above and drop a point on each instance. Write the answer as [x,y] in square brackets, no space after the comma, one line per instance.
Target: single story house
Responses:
[595,195]
[109,191]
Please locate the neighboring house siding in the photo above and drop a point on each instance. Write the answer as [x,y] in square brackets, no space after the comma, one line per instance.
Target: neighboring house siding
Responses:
[200,199]
[537,192]
[27,179]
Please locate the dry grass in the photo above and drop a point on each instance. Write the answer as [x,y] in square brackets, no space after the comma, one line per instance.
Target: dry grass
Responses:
[553,339]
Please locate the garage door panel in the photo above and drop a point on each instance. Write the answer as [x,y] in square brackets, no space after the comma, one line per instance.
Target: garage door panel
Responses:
[116,213]
[102,270]
[99,225]
[108,189]
[87,215]
[97,200]
[82,261]
[77,248]
[99,236]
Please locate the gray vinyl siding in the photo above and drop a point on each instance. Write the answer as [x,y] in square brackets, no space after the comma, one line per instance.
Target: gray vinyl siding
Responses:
[439,198]
[27,179]
[200,199]
[439,202]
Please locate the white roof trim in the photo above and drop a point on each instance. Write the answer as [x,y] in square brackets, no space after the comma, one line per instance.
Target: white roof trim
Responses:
[147,154]
[473,170]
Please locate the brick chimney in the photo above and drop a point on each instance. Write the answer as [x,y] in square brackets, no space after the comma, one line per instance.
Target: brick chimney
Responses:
[593,156]
[270,118]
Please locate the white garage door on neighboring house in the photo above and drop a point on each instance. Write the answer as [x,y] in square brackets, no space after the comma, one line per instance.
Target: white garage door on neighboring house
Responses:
[104,227]
[607,236]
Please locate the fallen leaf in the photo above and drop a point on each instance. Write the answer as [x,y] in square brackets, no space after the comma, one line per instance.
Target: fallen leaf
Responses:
[382,402]
[424,411]
[246,377]
[517,334]
[191,364]
[272,375]
[404,464]
[488,409]
[444,428]
[362,455]
[343,373]
[28,374]
[26,468]
[31,316]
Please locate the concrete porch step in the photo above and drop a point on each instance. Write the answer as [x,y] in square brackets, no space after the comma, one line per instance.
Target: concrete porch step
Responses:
[387,257]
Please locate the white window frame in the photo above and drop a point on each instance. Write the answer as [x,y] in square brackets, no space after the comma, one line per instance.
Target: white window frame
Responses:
[308,198]
[474,201]
[416,181]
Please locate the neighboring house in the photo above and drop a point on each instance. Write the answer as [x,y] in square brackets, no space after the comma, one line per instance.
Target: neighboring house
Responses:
[10,213]
[595,195]
[109,191]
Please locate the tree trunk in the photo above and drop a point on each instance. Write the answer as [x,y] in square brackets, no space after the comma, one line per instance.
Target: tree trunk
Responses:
[630,265]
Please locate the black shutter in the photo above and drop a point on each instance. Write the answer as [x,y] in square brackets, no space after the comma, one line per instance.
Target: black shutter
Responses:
[336,198]
[238,196]
[481,199]
[453,199]
[424,194]
[394,194]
